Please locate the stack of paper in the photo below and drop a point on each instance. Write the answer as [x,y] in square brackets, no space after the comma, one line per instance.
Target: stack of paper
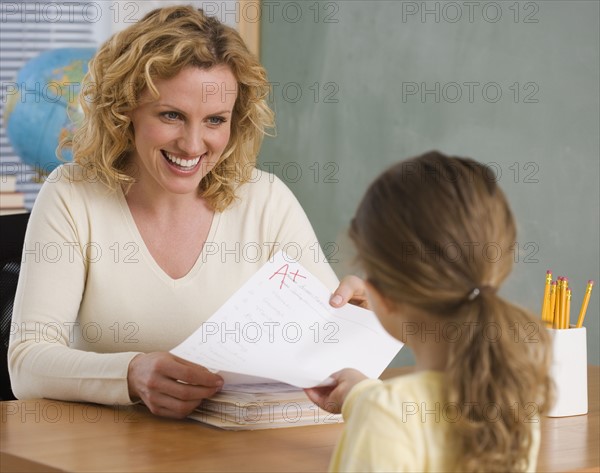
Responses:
[279,327]
[261,406]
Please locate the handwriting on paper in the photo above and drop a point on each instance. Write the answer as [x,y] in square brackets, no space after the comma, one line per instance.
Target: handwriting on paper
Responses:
[283,272]
[293,336]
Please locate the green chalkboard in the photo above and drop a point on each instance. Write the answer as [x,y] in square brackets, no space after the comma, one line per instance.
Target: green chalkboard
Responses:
[359,85]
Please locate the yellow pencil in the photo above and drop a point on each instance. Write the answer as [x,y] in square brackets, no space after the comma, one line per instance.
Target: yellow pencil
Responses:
[559,296]
[553,292]
[546,299]
[568,313]
[584,305]
[563,303]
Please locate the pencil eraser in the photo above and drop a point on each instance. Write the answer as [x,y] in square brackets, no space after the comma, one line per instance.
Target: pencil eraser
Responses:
[590,282]
[549,271]
[554,283]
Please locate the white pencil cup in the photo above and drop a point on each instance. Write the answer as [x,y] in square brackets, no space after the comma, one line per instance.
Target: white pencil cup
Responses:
[569,372]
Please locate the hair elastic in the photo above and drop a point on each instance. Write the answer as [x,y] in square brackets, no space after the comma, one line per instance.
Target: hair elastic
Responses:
[476,291]
[473,294]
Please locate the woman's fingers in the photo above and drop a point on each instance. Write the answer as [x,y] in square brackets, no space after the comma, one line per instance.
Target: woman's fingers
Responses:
[351,290]
[168,385]
[191,373]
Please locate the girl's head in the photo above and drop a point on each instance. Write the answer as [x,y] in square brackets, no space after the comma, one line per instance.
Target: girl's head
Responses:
[435,233]
[165,42]
[432,229]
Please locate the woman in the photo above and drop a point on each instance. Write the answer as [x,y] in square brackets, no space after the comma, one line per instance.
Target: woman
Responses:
[161,217]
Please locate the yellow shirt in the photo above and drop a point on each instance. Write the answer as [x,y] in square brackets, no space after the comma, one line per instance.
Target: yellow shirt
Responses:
[402,424]
[91,297]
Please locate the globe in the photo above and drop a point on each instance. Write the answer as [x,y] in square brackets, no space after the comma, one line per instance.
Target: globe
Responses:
[43,107]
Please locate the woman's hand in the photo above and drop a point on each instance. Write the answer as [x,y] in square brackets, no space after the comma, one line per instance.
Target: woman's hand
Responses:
[331,398]
[352,289]
[168,385]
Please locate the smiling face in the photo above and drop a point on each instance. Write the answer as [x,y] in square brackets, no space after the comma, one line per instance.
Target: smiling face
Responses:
[180,136]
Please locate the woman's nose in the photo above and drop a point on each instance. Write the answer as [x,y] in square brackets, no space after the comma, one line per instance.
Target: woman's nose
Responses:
[191,141]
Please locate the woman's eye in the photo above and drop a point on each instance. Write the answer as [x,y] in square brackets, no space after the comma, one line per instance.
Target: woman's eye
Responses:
[216,120]
[171,115]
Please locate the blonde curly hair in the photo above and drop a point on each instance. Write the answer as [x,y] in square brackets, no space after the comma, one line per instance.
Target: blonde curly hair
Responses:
[163,43]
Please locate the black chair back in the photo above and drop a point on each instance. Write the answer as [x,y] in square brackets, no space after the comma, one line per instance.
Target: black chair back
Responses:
[12,235]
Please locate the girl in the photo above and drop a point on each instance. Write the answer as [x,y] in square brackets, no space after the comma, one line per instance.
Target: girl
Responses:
[433,235]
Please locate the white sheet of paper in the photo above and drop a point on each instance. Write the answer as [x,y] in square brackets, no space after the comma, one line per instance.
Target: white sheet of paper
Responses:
[279,326]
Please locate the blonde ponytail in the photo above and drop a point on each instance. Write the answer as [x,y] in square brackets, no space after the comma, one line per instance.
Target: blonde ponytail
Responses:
[498,374]
[409,230]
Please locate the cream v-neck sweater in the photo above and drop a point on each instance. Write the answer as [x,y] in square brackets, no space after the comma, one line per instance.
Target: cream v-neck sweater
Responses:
[90,296]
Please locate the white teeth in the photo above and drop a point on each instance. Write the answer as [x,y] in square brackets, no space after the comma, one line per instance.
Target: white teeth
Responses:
[184,163]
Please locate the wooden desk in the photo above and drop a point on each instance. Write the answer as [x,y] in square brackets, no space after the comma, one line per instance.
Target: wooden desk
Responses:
[43,435]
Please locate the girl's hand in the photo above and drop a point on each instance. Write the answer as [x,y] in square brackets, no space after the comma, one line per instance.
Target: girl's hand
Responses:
[331,398]
[168,385]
